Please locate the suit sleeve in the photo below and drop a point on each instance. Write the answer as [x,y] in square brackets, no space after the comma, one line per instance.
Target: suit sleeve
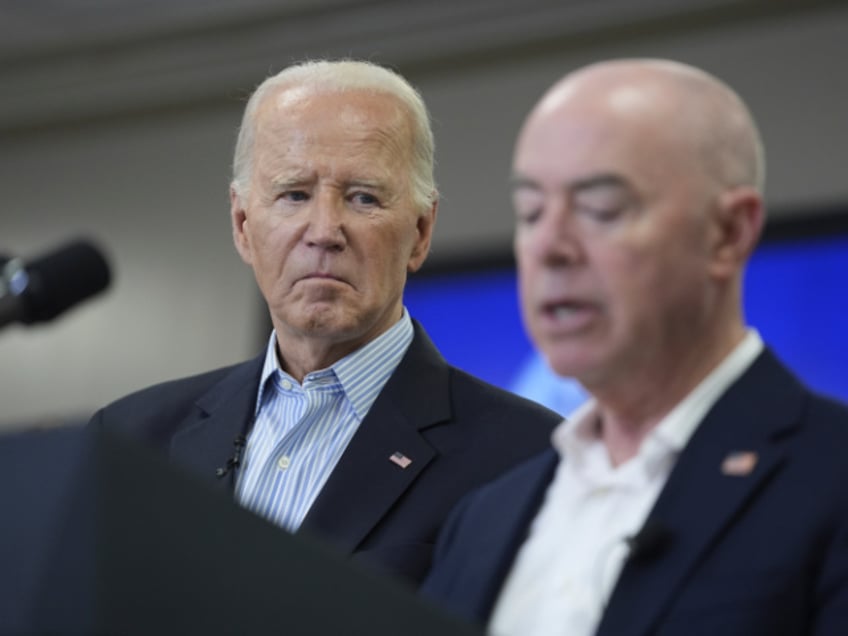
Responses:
[831,612]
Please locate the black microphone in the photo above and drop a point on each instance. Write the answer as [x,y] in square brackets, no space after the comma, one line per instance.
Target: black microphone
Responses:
[234,461]
[650,542]
[52,283]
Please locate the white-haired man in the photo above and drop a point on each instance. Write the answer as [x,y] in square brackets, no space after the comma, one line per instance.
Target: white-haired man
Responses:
[353,427]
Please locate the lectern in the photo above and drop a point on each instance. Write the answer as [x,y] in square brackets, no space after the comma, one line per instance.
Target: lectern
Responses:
[100,535]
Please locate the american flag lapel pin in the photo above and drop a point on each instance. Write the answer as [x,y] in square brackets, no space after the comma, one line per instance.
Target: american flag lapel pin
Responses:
[400,459]
[739,463]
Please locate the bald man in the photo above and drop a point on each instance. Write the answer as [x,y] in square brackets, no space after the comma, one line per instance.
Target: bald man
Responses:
[702,490]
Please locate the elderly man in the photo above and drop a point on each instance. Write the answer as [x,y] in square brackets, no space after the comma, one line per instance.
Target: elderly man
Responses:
[350,425]
[702,490]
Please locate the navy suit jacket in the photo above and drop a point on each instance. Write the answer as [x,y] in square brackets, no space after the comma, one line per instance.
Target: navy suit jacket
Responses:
[458,431]
[764,553]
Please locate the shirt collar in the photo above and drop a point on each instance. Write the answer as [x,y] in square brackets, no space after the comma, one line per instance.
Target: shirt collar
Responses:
[579,431]
[679,425]
[362,373]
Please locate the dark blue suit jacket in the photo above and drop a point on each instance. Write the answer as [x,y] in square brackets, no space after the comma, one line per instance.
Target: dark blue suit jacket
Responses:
[759,554]
[459,432]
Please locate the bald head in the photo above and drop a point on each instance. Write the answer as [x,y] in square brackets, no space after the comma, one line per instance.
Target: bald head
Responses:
[636,189]
[685,106]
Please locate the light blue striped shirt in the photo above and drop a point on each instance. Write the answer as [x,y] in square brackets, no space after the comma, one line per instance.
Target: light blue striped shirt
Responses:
[301,431]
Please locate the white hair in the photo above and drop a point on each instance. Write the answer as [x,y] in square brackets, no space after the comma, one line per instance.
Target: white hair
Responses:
[341,75]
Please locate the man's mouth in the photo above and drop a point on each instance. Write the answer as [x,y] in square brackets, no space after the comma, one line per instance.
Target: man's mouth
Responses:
[568,314]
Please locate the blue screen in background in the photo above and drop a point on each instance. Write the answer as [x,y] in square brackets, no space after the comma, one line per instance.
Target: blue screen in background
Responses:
[794,295]
[473,318]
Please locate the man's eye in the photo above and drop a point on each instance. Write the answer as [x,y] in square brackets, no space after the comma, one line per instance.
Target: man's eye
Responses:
[527,216]
[601,204]
[294,196]
[364,198]
[527,206]
[599,213]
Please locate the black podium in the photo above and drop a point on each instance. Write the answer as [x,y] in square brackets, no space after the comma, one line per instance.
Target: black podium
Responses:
[99,535]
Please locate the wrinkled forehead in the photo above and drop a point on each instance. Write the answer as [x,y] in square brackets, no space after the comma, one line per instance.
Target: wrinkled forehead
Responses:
[337,128]
[318,109]
[343,135]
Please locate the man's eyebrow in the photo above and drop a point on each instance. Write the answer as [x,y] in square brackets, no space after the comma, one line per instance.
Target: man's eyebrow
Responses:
[601,180]
[517,182]
[290,180]
[371,184]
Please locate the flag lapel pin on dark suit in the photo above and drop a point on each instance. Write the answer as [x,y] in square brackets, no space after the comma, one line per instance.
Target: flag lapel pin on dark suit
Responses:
[400,459]
[739,463]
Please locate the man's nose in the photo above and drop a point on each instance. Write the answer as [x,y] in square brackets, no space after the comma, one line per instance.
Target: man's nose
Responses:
[326,226]
[556,239]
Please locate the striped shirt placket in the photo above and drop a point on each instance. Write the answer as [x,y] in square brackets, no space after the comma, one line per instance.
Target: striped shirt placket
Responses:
[301,432]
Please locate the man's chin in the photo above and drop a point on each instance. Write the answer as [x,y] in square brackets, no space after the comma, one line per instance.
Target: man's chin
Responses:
[326,326]
[579,365]
[325,321]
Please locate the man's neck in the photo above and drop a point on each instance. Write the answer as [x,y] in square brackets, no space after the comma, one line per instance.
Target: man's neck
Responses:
[631,408]
[300,360]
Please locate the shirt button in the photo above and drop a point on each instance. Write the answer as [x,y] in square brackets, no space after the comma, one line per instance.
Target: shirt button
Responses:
[283,462]
[286,385]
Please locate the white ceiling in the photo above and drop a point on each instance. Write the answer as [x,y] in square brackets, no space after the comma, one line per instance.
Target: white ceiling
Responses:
[71,60]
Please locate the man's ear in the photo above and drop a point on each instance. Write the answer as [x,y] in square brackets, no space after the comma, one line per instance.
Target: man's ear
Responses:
[238,217]
[424,225]
[737,224]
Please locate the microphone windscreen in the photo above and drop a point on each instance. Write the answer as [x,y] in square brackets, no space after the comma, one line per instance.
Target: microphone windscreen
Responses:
[62,278]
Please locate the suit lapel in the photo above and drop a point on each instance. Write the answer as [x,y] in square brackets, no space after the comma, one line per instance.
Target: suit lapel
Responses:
[206,438]
[702,498]
[366,483]
[494,552]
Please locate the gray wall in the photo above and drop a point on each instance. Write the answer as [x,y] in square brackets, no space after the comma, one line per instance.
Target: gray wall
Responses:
[148,177]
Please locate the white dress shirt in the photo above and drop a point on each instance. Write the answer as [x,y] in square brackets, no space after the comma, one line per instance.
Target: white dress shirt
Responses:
[563,574]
